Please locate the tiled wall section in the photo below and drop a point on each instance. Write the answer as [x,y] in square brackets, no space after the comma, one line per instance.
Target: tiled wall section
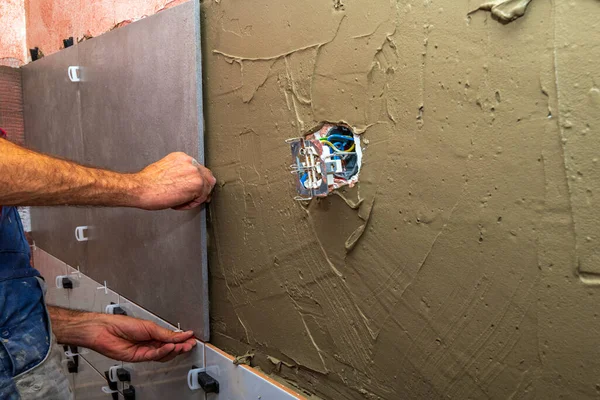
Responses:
[152,381]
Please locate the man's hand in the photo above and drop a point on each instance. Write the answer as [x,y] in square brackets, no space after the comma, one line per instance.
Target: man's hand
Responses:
[119,337]
[134,340]
[177,181]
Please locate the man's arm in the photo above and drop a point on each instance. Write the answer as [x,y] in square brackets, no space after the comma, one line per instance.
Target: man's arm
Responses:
[31,178]
[119,337]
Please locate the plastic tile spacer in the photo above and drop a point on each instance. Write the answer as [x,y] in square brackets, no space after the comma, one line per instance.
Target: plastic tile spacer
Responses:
[74,73]
[78,273]
[198,379]
[64,282]
[80,234]
[118,374]
[72,366]
[108,390]
[74,352]
[112,388]
[129,393]
[104,287]
[72,359]
[115,309]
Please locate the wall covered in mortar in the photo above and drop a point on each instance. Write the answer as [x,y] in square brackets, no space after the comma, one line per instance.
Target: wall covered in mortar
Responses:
[464,263]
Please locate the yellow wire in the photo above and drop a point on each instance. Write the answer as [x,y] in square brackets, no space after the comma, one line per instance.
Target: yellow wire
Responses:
[327,142]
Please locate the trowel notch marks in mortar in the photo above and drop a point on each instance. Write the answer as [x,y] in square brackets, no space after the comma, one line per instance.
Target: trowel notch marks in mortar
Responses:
[308,332]
[356,348]
[261,83]
[393,276]
[290,77]
[435,359]
[277,56]
[230,293]
[294,93]
[496,366]
[584,278]
[240,60]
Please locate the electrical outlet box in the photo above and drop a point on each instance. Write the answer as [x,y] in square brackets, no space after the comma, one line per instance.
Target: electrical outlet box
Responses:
[324,160]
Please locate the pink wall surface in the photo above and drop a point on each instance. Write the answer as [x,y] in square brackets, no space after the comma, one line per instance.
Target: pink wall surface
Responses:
[51,21]
[45,23]
[13,50]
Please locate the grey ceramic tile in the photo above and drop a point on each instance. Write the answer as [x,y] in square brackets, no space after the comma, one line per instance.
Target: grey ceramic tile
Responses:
[50,267]
[134,310]
[88,383]
[163,380]
[130,109]
[136,109]
[51,104]
[240,382]
[64,365]
[88,295]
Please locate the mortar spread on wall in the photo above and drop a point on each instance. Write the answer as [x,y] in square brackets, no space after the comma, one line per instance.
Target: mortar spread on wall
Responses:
[505,10]
[449,270]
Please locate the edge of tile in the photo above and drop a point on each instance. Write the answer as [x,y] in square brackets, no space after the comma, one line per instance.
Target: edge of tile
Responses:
[255,372]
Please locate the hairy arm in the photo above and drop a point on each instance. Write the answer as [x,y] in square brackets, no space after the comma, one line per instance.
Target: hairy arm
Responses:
[117,336]
[31,178]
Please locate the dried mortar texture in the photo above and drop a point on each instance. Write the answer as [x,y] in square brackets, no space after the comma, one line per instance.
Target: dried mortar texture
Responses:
[465,263]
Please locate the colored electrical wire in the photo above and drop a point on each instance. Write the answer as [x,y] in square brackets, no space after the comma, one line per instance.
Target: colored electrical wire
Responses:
[327,142]
[336,136]
[303,178]
[337,141]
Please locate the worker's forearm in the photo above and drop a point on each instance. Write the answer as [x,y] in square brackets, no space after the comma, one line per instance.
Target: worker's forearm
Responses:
[30,178]
[119,337]
[72,326]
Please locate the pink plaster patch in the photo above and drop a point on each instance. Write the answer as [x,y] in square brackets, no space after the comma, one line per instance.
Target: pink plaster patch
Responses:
[49,24]
[13,51]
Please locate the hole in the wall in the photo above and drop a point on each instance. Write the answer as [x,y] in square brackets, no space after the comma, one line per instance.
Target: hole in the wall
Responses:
[340,143]
[326,158]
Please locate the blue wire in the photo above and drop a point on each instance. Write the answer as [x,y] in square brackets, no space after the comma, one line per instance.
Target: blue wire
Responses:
[351,164]
[303,178]
[335,136]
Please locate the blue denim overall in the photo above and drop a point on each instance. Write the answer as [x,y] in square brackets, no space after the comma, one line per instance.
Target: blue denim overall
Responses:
[26,363]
